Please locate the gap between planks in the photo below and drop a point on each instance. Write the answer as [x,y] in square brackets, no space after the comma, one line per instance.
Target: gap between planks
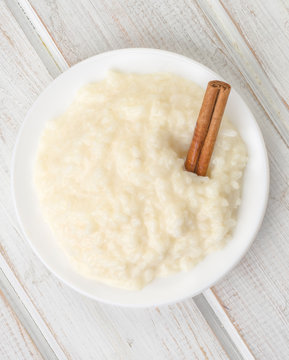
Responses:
[15,342]
[207,302]
[27,314]
[38,36]
[244,58]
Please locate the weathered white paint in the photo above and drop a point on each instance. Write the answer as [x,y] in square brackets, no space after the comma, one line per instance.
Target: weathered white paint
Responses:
[208,32]
[73,326]
[255,294]
[246,42]
[264,26]
[15,343]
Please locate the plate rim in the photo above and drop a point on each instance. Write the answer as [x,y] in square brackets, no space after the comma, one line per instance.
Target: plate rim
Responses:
[148,304]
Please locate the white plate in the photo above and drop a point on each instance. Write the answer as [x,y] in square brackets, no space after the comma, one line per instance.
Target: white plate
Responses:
[55,100]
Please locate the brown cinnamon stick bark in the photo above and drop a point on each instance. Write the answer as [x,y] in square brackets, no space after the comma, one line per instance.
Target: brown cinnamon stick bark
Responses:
[207,127]
[202,127]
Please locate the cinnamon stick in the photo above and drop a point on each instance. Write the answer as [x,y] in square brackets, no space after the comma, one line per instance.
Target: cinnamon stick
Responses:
[207,127]
[202,127]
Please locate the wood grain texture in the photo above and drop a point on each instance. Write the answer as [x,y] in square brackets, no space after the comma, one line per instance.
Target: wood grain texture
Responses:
[244,57]
[265,28]
[15,343]
[74,326]
[255,295]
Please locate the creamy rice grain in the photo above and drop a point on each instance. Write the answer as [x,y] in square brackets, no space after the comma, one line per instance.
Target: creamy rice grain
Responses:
[112,186]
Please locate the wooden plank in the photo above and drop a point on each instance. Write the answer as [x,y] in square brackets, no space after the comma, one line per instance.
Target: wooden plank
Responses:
[221,325]
[22,13]
[254,20]
[225,325]
[15,343]
[255,294]
[234,348]
[249,65]
[76,327]
[20,303]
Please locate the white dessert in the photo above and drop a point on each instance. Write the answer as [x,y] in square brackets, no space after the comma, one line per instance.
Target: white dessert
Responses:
[112,185]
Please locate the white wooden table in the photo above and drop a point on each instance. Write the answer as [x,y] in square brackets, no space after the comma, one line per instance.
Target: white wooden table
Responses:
[246,315]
